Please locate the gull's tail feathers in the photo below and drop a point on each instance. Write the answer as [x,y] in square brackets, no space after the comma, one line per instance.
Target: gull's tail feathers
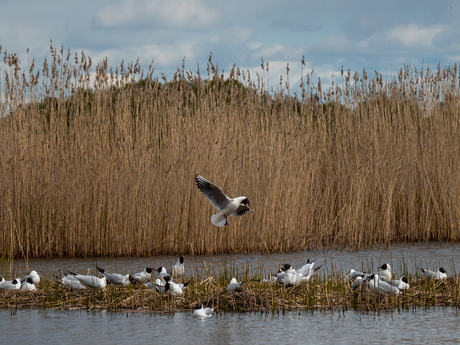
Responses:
[218,219]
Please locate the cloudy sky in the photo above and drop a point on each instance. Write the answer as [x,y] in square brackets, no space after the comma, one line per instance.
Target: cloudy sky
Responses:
[375,35]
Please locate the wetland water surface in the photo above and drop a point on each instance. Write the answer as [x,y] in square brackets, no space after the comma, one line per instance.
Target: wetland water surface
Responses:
[401,257]
[413,326]
[438,325]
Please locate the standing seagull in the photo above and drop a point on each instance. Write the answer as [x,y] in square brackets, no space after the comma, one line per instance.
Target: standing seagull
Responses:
[177,271]
[227,207]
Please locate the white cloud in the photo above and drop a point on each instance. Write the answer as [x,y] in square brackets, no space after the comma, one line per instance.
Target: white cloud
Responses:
[267,51]
[173,14]
[168,54]
[412,35]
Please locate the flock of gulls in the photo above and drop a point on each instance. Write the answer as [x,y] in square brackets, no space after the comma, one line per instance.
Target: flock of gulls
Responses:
[384,284]
[71,280]
[380,283]
[287,276]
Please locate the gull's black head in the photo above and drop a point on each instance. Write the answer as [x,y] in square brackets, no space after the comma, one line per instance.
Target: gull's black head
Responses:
[14,281]
[404,279]
[384,267]
[287,266]
[181,259]
[30,280]
[149,269]
[245,202]
[442,270]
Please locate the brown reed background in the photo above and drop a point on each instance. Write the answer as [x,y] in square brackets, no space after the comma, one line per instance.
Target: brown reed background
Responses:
[100,161]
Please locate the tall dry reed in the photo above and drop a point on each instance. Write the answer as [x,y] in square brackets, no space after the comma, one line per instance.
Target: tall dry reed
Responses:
[100,161]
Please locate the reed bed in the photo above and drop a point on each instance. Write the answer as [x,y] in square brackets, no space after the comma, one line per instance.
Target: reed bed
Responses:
[321,294]
[98,161]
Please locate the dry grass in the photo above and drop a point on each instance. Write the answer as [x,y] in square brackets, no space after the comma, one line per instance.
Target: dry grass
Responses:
[332,293]
[94,162]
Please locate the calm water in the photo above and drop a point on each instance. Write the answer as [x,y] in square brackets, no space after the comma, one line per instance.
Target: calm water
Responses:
[81,327]
[439,325]
[404,259]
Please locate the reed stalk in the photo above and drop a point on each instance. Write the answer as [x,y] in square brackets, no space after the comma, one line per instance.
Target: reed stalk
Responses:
[99,161]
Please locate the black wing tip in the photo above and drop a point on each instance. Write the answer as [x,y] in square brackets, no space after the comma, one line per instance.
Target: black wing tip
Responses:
[244,211]
[198,179]
[202,183]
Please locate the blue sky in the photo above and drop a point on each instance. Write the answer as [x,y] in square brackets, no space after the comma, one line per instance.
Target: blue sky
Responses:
[375,35]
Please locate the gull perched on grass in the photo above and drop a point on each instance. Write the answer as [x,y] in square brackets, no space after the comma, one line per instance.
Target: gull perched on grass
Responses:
[177,271]
[385,272]
[227,206]
[280,276]
[355,274]
[303,275]
[173,288]
[14,284]
[401,284]
[28,285]
[34,275]
[115,278]
[158,284]
[144,276]
[203,312]
[70,281]
[379,286]
[163,272]
[235,285]
[439,274]
[360,284]
[359,281]
[91,282]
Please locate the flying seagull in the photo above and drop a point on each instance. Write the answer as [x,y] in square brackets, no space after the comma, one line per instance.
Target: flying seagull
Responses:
[227,207]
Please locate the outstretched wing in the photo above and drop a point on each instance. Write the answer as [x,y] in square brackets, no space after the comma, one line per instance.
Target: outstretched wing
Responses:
[214,194]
